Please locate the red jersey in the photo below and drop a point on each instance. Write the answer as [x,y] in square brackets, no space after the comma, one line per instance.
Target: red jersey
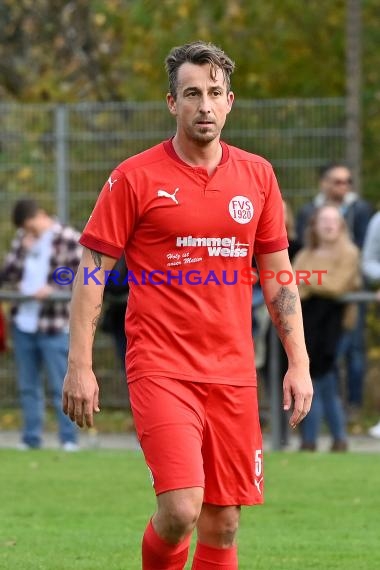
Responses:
[187,236]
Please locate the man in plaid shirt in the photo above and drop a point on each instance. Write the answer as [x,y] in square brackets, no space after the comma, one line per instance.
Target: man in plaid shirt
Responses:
[39,326]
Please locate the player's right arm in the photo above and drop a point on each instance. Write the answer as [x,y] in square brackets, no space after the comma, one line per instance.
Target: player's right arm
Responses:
[80,397]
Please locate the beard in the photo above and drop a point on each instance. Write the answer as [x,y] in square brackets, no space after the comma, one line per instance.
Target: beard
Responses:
[203,135]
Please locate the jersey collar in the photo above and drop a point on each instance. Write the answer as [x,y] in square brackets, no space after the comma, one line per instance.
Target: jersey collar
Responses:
[168,146]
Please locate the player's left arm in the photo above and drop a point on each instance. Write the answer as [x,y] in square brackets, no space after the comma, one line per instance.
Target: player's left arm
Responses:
[284,306]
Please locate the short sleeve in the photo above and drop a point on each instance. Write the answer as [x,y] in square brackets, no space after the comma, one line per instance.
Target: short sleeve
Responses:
[113,218]
[271,233]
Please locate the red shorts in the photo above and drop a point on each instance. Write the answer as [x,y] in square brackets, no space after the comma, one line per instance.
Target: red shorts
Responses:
[200,435]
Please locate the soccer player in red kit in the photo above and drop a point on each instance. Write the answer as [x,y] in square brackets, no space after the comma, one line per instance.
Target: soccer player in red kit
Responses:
[189,214]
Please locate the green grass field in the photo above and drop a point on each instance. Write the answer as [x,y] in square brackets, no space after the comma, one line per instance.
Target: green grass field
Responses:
[88,510]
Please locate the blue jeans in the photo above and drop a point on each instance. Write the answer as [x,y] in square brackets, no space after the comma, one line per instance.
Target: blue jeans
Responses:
[326,403]
[352,351]
[32,352]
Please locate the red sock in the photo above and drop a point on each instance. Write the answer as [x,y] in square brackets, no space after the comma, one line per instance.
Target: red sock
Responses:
[210,558]
[157,554]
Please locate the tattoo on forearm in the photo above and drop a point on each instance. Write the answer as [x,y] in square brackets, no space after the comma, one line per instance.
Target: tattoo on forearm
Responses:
[95,320]
[97,257]
[282,305]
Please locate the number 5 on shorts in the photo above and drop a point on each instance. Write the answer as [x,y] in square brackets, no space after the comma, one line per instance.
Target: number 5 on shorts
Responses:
[258,462]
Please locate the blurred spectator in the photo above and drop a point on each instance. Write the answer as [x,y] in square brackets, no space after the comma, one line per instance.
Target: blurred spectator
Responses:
[39,326]
[115,295]
[329,250]
[371,252]
[260,325]
[336,188]
[371,270]
[294,243]
[293,248]
[3,335]
[335,183]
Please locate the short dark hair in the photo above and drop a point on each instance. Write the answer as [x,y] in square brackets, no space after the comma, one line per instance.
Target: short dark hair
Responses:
[24,210]
[326,169]
[198,53]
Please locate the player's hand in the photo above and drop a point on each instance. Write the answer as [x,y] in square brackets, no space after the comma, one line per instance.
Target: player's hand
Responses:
[299,388]
[27,240]
[80,396]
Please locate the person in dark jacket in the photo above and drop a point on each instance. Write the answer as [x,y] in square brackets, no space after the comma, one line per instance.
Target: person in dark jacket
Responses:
[115,294]
[294,247]
[335,182]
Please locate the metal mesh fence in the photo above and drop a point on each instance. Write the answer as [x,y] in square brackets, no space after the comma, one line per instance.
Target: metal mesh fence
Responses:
[62,154]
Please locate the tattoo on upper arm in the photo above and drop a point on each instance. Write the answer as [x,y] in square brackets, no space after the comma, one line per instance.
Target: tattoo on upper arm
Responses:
[97,257]
[282,305]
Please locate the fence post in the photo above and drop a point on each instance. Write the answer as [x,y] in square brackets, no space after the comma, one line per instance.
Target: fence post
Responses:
[61,163]
[353,89]
[274,379]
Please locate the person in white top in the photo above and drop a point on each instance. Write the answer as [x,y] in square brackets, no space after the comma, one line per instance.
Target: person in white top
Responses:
[40,326]
[371,270]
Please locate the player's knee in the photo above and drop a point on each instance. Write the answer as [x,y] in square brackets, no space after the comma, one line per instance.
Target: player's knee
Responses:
[183,516]
[220,527]
[180,519]
[227,535]
[227,526]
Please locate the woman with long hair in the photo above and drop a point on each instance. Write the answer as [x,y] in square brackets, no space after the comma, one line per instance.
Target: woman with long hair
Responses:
[332,261]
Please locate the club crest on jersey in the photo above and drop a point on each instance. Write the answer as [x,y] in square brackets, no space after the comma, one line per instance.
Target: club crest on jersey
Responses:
[164,194]
[241,209]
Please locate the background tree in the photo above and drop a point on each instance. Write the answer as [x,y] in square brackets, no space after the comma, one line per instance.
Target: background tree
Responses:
[112,50]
